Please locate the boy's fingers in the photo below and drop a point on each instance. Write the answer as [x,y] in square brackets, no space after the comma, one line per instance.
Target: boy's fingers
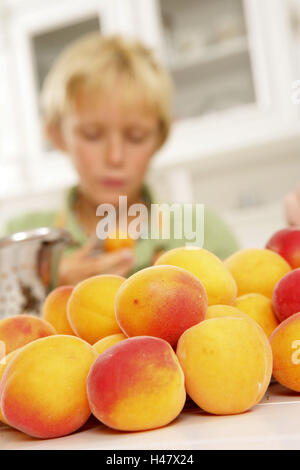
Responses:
[90,246]
[122,268]
[297,192]
[292,209]
[81,267]
[108,261]
[122,271]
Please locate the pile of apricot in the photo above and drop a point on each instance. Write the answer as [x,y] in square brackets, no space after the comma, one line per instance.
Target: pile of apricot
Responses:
[130,350]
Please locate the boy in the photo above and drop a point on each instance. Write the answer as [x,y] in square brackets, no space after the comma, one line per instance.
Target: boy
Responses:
[107,104]
[292,207]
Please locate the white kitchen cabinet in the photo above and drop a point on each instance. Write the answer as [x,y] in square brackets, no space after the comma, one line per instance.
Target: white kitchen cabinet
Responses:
[10,143]
[232,66]
[294,19]
[205,46]
[35,33]
[231,61]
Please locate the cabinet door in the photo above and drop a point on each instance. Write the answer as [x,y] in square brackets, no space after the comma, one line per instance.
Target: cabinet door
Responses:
[205,46]
[47,45]
[10,143]
[294,18]
[231,67]
[36,37]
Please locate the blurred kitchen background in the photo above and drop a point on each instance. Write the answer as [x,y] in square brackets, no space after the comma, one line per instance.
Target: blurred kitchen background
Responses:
[235,144]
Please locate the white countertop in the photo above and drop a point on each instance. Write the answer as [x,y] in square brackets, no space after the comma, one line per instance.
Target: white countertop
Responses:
[272,424]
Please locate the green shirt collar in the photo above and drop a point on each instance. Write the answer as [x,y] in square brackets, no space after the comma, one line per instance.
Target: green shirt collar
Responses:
[71,221]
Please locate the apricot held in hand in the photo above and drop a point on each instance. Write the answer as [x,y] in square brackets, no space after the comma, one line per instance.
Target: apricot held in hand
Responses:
[227,363]
[160,301]
[118,241]
[43,389]
[18,330]
[136,385]
[91,310]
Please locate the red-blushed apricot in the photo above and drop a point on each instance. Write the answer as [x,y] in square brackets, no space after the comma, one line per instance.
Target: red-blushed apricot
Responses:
[3,364]
[256,270]
[160,301]
[118,241]
[286,243]
[55,310]
[208,268]
[18,330]
[227,363]
[43,389]
[2,350]
[285,343]
[136,385]
[105,343]
[260,309]
[90,309]
[286,295]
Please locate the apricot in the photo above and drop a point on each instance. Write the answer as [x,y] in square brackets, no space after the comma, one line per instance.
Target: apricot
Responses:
[3,364]
[285,343]
[43,389]
[257,270]
[90,308]
[2,350]
[160,301]
[286,295]
[216,311]
[260,309]
[227,363]
[105,343]
[18,330]
[136,385]
[118,241]
[55,309]
[286,243]
[208,268]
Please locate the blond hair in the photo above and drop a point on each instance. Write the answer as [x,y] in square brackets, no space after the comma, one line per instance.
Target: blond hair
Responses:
[95,63]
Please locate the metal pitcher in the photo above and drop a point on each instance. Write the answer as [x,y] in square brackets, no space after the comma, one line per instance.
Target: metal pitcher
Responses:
[28,269]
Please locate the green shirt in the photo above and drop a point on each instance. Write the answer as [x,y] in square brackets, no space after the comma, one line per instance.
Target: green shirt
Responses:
[218,237]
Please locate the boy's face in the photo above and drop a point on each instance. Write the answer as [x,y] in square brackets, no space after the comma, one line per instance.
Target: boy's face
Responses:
[110,147]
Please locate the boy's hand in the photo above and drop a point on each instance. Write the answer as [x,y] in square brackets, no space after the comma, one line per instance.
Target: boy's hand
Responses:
[292,207]
[79,266]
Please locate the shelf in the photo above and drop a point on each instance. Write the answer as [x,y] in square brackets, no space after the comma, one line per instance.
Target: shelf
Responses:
[252,133]
[212,54]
